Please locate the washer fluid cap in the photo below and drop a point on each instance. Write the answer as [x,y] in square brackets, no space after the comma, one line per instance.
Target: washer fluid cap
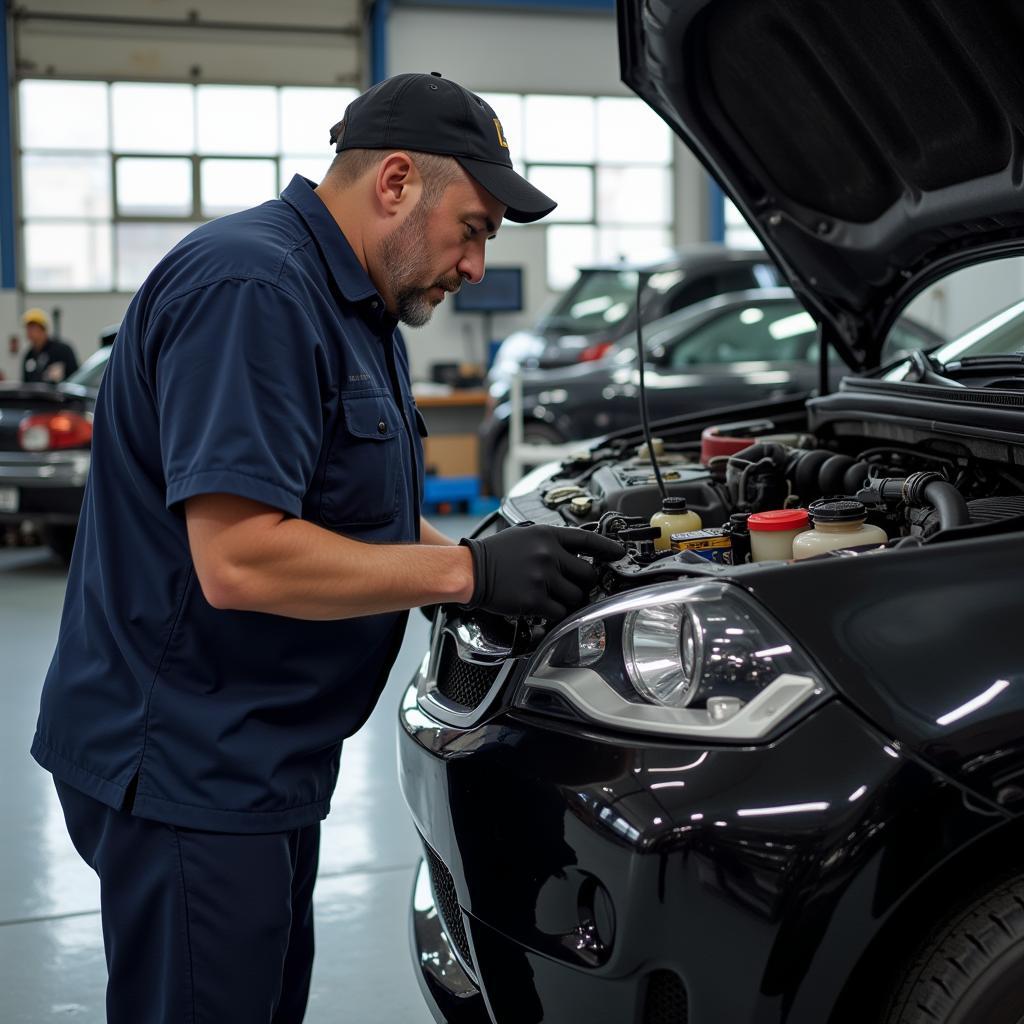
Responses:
[673,505]
[837,510]
[779,519]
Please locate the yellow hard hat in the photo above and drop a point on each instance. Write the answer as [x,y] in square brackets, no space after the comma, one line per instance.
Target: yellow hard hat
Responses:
[36,316]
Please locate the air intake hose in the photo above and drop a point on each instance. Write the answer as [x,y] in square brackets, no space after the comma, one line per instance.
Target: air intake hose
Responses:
[921,490]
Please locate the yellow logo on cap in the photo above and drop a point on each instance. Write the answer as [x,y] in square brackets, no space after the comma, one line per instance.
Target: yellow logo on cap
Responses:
[501,137]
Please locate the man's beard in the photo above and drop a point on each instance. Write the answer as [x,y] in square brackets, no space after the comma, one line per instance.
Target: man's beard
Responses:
[404,259]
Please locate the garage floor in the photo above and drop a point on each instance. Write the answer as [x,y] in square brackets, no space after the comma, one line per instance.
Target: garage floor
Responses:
[51,948]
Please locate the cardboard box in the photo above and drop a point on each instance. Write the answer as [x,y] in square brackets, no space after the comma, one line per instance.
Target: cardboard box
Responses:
[452,454]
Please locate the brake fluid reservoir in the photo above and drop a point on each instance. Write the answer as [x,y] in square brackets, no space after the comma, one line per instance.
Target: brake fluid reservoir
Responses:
[838,523]
[772,533]
[674,517]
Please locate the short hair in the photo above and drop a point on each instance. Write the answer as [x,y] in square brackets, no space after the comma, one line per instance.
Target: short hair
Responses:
[437,172]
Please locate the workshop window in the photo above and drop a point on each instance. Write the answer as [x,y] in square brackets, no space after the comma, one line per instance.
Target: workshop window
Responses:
[738,234]
[114,174]
[607,161]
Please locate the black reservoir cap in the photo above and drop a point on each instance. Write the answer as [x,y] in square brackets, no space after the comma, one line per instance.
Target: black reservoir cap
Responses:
[673,506]
[836,510]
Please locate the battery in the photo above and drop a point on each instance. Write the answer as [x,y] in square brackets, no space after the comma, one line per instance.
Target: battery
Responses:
[713,544]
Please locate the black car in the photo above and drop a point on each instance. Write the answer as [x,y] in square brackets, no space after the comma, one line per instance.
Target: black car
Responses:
[600,305]
[724,351]
[731,792]
[45,437]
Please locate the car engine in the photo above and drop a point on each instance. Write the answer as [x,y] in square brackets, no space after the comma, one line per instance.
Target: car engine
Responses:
[928,464]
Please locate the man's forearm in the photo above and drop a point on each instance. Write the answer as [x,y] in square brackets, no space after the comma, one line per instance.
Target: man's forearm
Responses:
[264,562]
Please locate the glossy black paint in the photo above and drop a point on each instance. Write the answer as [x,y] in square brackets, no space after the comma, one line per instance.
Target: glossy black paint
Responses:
[50,484]
[912,638]
[585,861]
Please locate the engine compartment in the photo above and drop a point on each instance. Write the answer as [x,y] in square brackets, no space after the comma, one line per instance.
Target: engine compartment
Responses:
[927,468]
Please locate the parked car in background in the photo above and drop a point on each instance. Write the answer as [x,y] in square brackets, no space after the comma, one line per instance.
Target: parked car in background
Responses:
[600,306]
[727,350]
[788,790]
[45,436]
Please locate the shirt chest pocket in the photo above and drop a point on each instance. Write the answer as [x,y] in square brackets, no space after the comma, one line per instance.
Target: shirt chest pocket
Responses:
[364,463]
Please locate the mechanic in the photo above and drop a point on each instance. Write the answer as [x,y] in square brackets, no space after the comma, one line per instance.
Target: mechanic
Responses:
[46,360]
[250,543]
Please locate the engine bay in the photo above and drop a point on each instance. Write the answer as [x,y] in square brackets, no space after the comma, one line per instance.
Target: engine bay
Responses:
[921,468]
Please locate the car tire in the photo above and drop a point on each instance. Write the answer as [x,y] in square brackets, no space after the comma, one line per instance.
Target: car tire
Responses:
[972,968]
[533,433]
[61,541]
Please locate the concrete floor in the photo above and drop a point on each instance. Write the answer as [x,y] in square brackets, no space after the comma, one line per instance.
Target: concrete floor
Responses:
[51,947]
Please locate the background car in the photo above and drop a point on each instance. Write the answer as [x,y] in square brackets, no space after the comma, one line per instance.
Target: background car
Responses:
[600,306]
[45,436]
[730,349]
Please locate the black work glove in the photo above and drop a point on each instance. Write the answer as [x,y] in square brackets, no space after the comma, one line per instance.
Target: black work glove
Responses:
[534,570]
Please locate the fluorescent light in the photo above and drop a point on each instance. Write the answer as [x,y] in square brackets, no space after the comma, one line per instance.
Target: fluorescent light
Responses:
[760,812]
[972,705]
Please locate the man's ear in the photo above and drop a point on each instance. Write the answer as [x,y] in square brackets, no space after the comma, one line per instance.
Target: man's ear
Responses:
[398,183]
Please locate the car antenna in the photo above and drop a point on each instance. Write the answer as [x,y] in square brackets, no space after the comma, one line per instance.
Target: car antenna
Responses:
[643,390]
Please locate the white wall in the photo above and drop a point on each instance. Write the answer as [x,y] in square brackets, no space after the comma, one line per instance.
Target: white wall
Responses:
[961,300]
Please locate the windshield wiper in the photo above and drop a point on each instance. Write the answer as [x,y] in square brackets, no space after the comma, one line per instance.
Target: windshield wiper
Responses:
[985,366]
[924,369]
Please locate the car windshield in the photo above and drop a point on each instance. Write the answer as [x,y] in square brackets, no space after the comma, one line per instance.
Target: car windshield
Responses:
[90,373]
[598,300]
[1002,334]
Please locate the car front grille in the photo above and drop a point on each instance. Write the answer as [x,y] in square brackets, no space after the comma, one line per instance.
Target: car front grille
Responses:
[463,682]
[665,1001]
[448,908]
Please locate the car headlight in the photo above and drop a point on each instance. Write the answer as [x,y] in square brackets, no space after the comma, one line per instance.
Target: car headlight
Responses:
[698,659]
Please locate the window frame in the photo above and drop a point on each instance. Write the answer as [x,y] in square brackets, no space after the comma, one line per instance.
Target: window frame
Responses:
[196,217]
[192,219]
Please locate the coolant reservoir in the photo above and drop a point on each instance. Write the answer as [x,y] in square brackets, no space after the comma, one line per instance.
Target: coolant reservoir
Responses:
[772,533]
[674,517]
[838,523]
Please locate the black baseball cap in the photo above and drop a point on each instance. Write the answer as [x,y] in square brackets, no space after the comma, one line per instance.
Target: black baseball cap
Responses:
[431,114]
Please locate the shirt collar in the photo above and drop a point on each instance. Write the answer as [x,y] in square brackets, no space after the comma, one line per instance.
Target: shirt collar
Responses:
[345,268]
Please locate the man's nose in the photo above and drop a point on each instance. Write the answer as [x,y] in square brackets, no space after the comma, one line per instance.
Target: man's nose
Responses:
[471,267]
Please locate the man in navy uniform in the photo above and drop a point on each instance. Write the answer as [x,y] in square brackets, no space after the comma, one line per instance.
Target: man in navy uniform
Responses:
[250,544]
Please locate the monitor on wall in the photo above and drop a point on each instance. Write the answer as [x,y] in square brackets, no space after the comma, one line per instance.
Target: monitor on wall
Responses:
[501,291]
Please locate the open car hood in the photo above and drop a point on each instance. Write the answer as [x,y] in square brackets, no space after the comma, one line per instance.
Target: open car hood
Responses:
[873,145]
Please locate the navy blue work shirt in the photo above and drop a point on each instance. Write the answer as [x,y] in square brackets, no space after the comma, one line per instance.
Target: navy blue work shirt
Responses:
[257,360]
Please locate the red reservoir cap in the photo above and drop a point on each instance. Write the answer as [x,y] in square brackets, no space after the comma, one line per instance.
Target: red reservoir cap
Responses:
[713,444]
[779,520]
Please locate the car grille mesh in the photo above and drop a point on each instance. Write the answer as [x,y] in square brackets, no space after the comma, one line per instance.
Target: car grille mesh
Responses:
[448,908]
[463,682]
[665,1001]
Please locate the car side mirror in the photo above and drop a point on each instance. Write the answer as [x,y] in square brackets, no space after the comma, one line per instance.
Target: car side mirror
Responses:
[657,356]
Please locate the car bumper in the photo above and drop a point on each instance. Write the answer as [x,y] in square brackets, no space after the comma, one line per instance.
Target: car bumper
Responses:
[580,875]
[47,487]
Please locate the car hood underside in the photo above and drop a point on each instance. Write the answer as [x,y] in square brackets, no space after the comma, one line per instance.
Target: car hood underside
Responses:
[874,145]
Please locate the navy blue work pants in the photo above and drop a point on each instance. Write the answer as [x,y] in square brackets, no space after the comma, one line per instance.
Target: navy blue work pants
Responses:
[199,927]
